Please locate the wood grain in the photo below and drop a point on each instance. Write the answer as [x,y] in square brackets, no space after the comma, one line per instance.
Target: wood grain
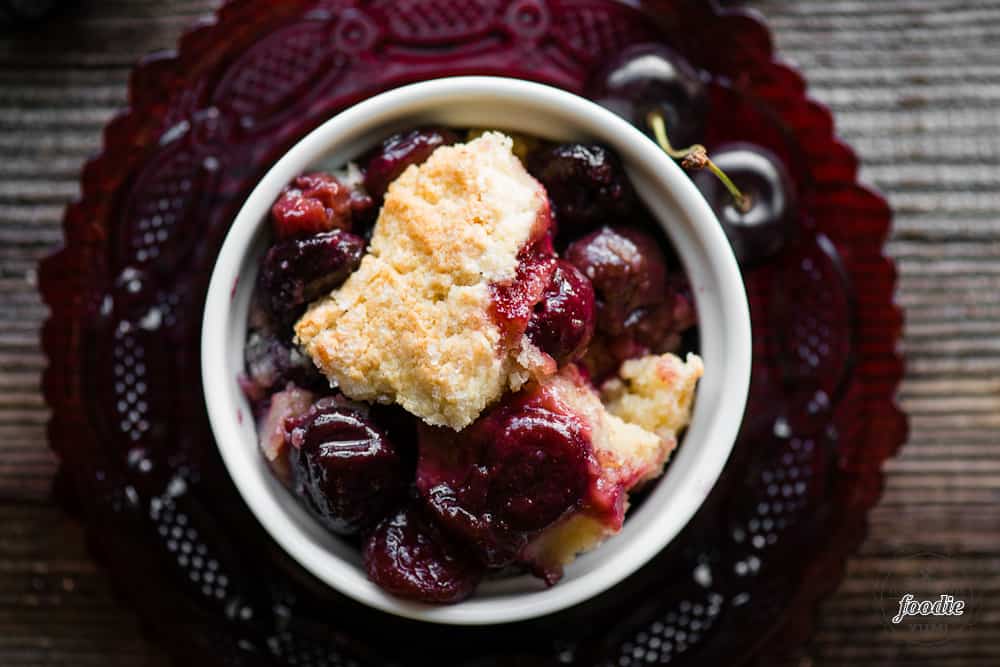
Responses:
[915,88]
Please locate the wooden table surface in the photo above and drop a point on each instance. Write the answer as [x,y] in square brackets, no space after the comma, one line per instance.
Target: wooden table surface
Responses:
[915,88]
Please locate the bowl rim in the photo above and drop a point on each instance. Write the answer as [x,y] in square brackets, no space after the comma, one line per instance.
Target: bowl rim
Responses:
[225,415]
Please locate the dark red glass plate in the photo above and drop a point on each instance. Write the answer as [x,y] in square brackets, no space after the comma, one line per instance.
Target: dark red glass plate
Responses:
[205,122]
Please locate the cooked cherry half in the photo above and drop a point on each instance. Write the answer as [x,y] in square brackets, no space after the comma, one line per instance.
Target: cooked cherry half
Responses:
[640,308]
[409,556]
[538,468]
[627,270]
[652,77]
[314,203]
[513,472]
[658,328]
[345,467]
[398,152]
[768,221]
[298,270]
[563,322]
[513,301]
[586,185]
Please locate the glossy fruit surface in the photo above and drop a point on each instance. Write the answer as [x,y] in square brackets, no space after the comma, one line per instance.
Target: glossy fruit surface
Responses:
[586,185]
[398,152]
[538,468]
[345,467]
[409,556]
[513,302]
[641,307]
[317,202]
[517,469]
[762,230]
[627,270]
[563,322]
[298,270]
[653,77]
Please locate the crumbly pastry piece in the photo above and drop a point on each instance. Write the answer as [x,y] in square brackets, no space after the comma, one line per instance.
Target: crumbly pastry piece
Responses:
[633,434]
[625,452]
[413,324]
[655,392]
[291,401]
[522,144]
[559,545]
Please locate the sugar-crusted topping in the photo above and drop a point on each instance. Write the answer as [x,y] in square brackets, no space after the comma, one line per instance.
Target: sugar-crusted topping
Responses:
[412,324]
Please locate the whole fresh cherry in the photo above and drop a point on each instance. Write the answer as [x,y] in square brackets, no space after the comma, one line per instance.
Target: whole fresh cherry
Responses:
[344,467]
[764,222]
[653,77]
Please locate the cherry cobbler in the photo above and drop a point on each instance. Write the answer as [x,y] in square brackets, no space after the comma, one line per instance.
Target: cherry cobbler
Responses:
[463,354]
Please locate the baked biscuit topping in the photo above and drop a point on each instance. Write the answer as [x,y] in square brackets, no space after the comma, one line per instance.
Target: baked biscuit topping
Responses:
[413,324]
[625,452]
[632,436]
[655,392]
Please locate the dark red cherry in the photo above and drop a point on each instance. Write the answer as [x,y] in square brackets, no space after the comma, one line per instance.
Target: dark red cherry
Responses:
[652,77]
[314,203]
[585,183]
[627,270]
[513,472]
[298,270]
[458,504]
[563,322]
[513,301]
[538,468]
[769,223]
[658,328]
[409,556]
[398,152]
[345,468]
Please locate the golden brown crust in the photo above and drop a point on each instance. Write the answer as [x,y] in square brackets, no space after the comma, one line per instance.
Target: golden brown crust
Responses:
[412,324]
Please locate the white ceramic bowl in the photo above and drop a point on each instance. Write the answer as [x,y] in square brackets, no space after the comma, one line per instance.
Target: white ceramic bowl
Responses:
[724,323]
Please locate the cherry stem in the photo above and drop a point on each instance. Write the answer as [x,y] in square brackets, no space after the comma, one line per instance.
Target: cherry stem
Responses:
[695,157]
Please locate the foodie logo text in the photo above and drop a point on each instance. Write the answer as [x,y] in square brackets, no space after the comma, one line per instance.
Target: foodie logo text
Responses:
[945,605]
[924,600]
